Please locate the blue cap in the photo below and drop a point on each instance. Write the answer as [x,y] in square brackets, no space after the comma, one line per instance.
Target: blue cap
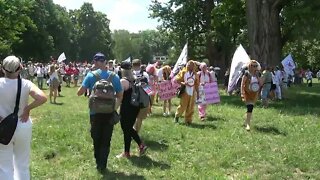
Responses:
[99,57]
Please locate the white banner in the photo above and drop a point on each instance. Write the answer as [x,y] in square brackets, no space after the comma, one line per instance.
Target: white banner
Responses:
[239,60]
[182,60]
[128,60]
[288,65]
[62,57]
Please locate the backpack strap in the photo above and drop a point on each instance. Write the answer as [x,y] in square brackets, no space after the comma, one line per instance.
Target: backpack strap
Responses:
[97,75]
[110,77]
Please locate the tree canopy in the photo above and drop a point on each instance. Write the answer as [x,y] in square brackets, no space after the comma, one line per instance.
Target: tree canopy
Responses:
[269,30]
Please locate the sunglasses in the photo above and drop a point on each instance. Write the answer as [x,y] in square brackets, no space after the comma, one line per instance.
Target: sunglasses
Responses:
[255,65]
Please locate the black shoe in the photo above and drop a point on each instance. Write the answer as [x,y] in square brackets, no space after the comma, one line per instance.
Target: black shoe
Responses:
[101,170]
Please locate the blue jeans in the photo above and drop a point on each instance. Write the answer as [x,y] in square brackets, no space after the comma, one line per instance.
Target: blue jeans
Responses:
[265,90]
[40,82]
[101,133]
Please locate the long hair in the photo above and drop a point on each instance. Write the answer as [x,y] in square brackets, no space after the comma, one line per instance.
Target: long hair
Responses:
[52,69]
[127,74]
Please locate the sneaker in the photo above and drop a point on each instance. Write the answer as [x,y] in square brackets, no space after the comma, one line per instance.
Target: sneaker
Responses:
[123,155]
[176,119]
[248,127]
[202,118]
[168,113]
[164,114]
[142,150]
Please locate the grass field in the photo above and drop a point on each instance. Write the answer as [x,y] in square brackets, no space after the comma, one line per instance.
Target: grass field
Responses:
[283,143]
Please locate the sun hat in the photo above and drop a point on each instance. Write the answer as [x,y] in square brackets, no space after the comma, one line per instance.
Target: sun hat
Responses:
[11,64]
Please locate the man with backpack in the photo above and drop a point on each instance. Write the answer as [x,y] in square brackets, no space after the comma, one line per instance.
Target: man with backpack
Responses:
[106,97]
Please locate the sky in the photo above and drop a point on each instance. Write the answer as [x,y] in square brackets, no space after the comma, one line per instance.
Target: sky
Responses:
[131,15]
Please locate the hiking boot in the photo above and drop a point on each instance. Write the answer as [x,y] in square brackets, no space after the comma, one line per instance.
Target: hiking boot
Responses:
[142,149]
[176,119]
[123,155]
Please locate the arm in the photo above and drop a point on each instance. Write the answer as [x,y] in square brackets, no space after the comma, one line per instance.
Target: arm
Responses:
[243,82]
[81,91]
[180,77]
[39,98]
[196,85]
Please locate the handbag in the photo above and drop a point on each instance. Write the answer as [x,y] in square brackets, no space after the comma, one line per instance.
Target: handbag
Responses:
[9,124]
[115,119]
[180,91]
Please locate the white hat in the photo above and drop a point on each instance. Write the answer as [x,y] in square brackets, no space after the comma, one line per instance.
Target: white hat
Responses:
[11,64]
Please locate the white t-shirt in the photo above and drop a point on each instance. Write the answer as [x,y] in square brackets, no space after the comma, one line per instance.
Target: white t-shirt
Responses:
[160,74]
[8,91]
[213,76]
[40,72]
[189,78]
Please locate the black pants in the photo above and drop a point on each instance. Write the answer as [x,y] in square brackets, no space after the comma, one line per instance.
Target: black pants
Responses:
[127,121]
[101,133]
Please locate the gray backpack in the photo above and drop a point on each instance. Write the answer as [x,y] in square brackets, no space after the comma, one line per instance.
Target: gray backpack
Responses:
[139,98]
[102,99]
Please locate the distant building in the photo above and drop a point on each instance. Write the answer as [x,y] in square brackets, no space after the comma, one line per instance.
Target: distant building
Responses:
[159,58]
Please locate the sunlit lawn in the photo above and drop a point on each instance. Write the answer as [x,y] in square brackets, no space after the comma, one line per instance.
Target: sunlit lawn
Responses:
[283,143]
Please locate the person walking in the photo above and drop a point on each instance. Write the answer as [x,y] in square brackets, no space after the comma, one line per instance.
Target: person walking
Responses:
[53,83]
[129,113]
[101,128]
[187,77]
[204,77]
[267,81]
[250,87]
[15,157]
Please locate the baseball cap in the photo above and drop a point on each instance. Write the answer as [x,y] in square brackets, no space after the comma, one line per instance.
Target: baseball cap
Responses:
[99,57]
[126,65]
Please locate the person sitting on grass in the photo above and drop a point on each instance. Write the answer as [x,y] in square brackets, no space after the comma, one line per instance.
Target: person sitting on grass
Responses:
[250,87]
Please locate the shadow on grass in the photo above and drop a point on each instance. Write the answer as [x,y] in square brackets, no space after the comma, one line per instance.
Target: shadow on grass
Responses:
[58,104]
[202,126]
[160,145]
[270,130]
[160,115]
[214,118]
[120,175]
[147,163]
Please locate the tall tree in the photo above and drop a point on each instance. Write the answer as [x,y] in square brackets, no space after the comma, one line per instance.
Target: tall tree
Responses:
[14,20]
[211,27]
[94,33]
[264,30]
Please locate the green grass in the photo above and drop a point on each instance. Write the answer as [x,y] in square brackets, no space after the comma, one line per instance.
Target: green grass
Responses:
[283,143]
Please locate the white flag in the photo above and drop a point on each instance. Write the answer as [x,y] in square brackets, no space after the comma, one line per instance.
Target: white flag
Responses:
[182,60]
[239,60]
[128,60]
[62,57]
[288,65]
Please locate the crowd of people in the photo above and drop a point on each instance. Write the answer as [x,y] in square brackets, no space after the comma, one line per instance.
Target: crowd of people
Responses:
[255,84]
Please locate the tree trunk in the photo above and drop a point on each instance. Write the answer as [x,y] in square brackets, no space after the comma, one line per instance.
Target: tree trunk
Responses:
[264,31]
